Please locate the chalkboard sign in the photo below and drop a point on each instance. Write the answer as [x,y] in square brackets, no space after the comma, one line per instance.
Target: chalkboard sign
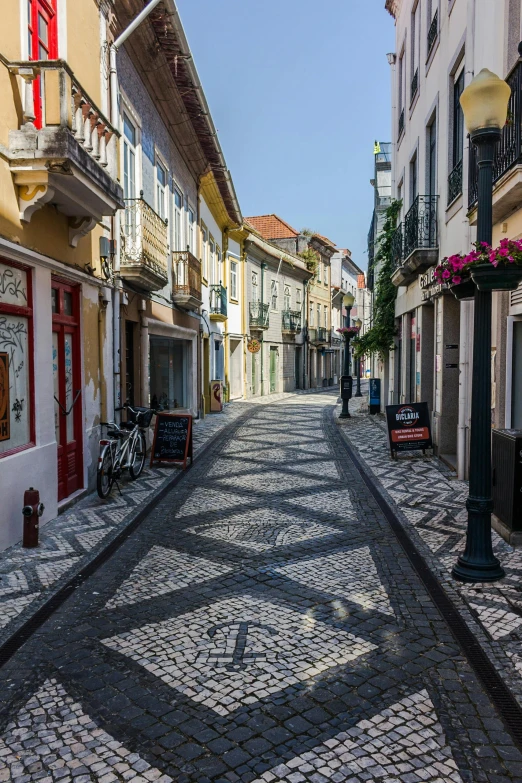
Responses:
[172,439]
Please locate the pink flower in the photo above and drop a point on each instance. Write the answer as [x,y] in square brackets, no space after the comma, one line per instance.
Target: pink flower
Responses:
[457,279]
[446,274]
[503,252]
[492,257]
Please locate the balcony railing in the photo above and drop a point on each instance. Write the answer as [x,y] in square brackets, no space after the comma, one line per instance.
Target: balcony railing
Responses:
[420,225]
[433,31]
[259,315]
[397,246]
[414,85]
[291,321]
[145,245]
[335,337]
[508,151]
[319,335]
[401,124]
[218,302]
[186,285]
[455,183]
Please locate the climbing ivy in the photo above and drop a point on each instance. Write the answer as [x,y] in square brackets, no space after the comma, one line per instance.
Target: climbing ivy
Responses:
[311,259]
[379,339]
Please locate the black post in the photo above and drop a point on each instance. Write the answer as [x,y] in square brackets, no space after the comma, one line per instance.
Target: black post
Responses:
[478,563]
[358,392]
[345,413]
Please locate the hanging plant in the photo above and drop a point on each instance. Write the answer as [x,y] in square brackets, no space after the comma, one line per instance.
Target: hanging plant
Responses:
[490,268]
[379,339]
[348,330]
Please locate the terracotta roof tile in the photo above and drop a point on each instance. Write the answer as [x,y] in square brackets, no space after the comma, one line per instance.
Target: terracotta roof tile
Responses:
[325,240]
[272,227]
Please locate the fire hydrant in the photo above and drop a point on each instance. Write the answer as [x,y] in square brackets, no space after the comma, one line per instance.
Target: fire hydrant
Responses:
[32,512]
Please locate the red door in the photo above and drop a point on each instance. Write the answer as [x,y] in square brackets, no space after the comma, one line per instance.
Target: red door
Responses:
[42,42]
[67,387]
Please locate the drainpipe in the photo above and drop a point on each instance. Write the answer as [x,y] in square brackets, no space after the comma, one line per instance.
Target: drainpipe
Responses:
[115,120]
[263,267]
[144,352]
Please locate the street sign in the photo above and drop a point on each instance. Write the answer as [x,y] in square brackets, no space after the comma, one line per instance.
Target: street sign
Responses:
[408,427]
[375,395]
[346,387]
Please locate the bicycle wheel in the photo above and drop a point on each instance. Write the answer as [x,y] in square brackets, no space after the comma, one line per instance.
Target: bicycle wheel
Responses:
[137,458]
[104,479]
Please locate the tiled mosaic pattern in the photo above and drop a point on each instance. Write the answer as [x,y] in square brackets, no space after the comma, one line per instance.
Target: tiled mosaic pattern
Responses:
[238,651]
[351,575]
[260,530]
[164,571]
[433,503]
[52,739]
[404,743]
[67,542]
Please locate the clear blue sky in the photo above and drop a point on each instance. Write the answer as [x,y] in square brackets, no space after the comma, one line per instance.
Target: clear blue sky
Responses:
[299,90]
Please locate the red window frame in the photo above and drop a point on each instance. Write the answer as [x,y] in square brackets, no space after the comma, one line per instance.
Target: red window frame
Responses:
[26,312]
[47,10]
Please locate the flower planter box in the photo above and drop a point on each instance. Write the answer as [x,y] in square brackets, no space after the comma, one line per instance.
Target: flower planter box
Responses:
[504,277]
[464,291]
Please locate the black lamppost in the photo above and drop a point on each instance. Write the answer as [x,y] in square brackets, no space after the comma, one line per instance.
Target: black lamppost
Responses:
[346,380]
[484,103]
[358,324]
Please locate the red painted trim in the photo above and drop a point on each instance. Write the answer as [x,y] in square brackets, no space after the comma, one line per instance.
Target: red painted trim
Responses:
[25,312]
[47,9]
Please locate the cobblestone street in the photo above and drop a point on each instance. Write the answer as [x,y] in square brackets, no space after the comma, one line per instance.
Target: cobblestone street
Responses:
[262,624]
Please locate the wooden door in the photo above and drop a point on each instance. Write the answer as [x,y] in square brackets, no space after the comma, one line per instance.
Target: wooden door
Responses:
[67,387]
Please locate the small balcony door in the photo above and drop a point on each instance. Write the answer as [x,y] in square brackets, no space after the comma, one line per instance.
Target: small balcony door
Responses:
[67,387]
[42,42]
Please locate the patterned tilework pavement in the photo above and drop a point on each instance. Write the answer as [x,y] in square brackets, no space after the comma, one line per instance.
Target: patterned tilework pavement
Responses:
[431,502]
[350,575]
[163,571]
[52,739]
[295,644]
[404,742]
[238,651]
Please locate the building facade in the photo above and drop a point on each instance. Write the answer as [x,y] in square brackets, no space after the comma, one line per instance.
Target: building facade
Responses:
[439,48]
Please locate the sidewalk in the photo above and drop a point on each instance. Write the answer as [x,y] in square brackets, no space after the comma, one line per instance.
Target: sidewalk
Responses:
[430,503]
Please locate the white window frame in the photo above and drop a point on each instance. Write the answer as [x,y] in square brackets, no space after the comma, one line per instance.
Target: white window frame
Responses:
[128,109]
[274,294]
[298,299]
[312,314]
[233,280]
[161,191]
[287,298]
[255,287]
[177,220]
[219,265]
[212,259]
[191,235]
[204,250]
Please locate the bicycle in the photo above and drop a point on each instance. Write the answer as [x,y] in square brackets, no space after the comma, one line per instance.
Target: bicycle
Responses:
[124,448]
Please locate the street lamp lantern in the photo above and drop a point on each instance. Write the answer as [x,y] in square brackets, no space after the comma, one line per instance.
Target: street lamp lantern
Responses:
[348,300]
[485,101]
[485,106]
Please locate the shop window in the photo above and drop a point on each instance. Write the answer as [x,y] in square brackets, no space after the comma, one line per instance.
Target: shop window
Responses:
[16,359]
[168,373]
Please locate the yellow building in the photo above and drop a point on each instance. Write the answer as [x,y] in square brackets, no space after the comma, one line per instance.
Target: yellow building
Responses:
[58,192]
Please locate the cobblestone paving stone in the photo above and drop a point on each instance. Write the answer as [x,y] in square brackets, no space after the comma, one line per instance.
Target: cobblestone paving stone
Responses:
[431,504]
[198,659]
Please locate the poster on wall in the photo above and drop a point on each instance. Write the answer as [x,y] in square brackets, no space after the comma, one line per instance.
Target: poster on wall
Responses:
[4,397]
[408,427]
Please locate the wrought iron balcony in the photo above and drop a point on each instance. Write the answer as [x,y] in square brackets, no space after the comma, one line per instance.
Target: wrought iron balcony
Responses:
[291,321]
[186,287]
[397,246]
[335,338]
[320,335]
[259,314]
[144,246]
[401,124]
[65,150]
[455,183]
[218,303]
[433,31]
[414,85]
[508,155]
[419,241]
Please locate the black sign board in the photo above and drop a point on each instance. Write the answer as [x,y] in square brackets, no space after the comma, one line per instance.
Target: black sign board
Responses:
[346,387]
[375,395]
[172,439]
[408,427]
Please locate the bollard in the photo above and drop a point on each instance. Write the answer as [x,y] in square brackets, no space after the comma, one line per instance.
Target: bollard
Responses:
[32,512]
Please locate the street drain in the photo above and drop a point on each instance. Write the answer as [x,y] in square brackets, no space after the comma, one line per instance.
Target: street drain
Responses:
[507,706]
